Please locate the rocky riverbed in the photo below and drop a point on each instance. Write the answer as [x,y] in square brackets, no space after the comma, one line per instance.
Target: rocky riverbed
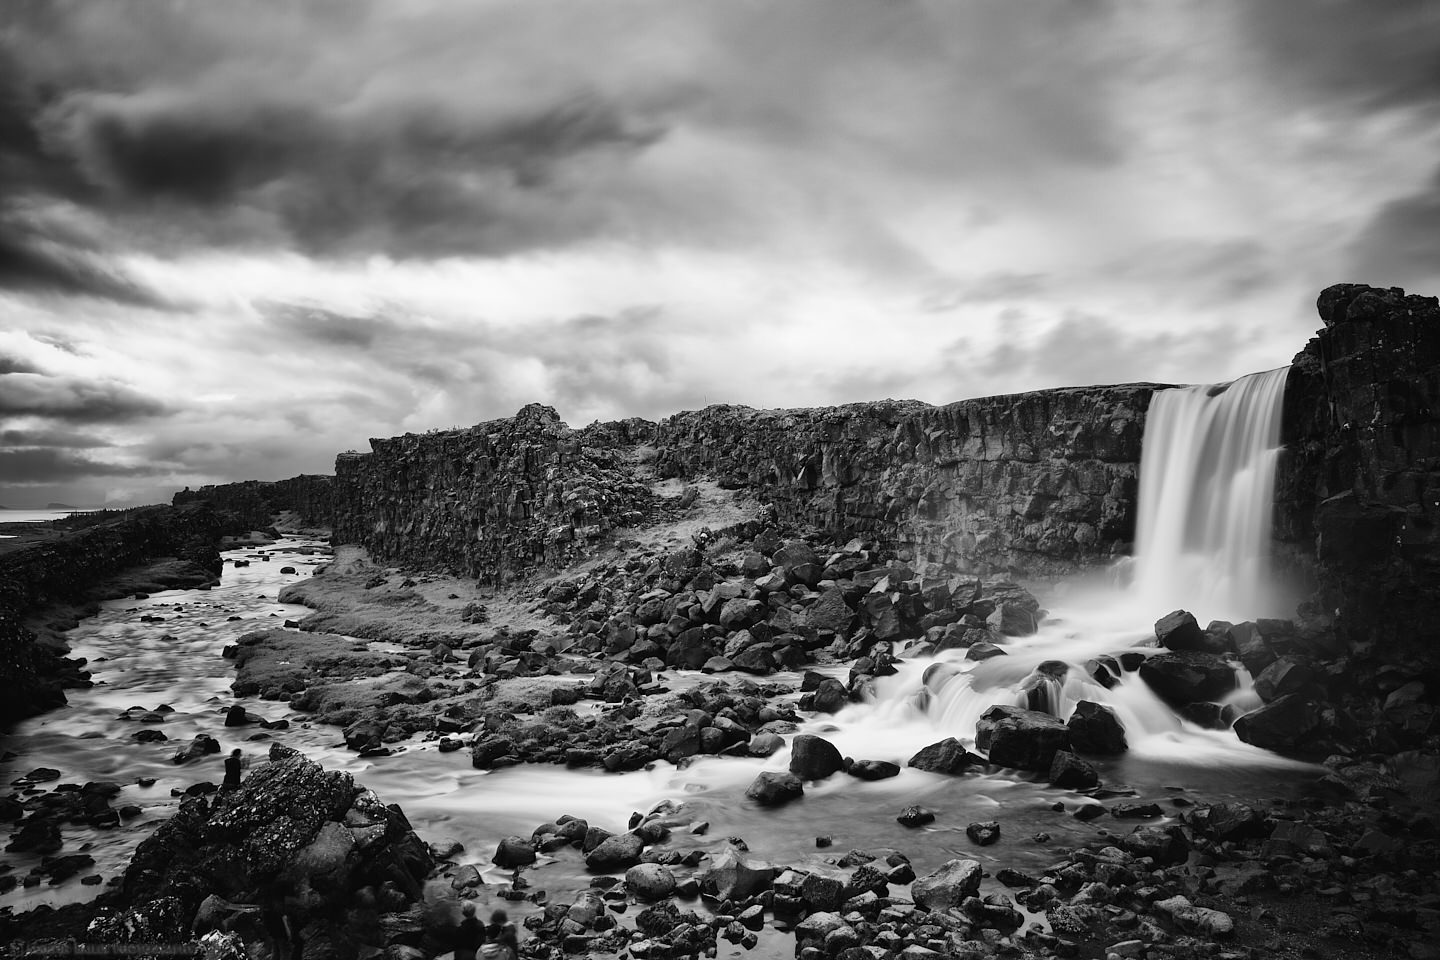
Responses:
[699,722]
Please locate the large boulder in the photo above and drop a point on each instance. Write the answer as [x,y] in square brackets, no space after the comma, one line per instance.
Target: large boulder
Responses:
[774,787]
[1181,678]
[831,612]
[1286,725]
[649,881]
[1286,675]
[800,562]
[731,876]
[290,826]
[1180,631]
[830,696]
[1069,772]
[1094,728]
[945,756]
[618,852]
[813,758]
[1020,738]
[948,886]
[1251,644]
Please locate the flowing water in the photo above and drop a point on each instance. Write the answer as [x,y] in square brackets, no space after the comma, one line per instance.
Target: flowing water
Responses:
[177,660]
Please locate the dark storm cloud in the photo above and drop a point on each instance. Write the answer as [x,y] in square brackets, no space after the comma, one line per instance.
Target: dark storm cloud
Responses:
[45,465]
[74,400]
[50,438]
[325,327]
[32,261]
[1351,53]
[1401,245]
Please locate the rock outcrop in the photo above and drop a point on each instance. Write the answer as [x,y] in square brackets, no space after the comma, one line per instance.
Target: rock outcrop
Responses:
[309,497]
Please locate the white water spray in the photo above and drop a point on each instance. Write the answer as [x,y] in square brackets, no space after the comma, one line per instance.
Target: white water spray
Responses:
[1207,482]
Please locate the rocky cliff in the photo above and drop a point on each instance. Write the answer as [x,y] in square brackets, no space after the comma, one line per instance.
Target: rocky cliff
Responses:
[1363,425]
[308,496]
[1037,482]
[1032,483]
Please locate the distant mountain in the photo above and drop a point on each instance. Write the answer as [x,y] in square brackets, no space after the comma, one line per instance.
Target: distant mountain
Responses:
[60,506]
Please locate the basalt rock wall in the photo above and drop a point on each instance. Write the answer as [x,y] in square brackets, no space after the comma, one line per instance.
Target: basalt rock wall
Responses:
[1037,483]
[308,496]
[1363,428]
[495,499]
[1033,483]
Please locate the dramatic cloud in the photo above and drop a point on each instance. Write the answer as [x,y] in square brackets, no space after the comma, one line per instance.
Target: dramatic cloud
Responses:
[237,238]
[75,401]
[44,466]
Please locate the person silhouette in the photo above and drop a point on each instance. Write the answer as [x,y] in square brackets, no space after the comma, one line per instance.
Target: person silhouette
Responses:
[232,770]
[470,934]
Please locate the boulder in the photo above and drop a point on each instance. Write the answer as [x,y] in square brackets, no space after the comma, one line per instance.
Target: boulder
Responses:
[772,788]
[873,769]
[732,876]
[1252,646]
[949,886]
[1069,772]
[1180,631]
[1013,620]
[983,833]
[617,852]
[649,881]
[513,852]
[1197,921]
[739,613]
[946,756]
[1019,738]
[691,649]
[1285,676]
[813,758]
[1094,728]
[764,744]
[831,613]
[830,696]
[1181,678]
[1287,724]
[915,816]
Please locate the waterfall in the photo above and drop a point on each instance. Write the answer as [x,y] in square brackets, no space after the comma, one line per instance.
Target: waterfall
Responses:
[1207,479]
[1207,475]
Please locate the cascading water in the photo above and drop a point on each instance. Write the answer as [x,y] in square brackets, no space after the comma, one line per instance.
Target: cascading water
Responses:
[1206,491]
[1207,479]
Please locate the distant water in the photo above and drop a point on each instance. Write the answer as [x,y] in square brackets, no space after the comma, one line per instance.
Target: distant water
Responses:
[32,516]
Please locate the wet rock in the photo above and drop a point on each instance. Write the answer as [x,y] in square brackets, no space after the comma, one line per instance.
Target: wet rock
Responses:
[831,613]
[1181,678]
[1286,725]
[1180,631]
[649,881]
[1013,620]
[949,886]
[946,756]
[1285,676]
[1069,772]
[830,696]
[1165,845]
[513,852]
[1094,728]
[1136,811]
[983,833]
[873,769]
[1227,821]
[915,816]
[35,836]
[772,788]
[1252,646]
[201,746]
[1019,738]
[764,744]
[617,852]
[813,758]
[984,651]
[733,876]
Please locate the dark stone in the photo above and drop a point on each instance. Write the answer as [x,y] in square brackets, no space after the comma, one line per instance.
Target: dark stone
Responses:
[616,852]
[514,852]
[813,758]
[1285,676]
[873,769]
[984,833]
[1288,724]
[1069,772]
[1180,631]
[1024,739]
[1094,728]
[914,816]
[772,788]
[946,756]
[1181,678]
[830,696]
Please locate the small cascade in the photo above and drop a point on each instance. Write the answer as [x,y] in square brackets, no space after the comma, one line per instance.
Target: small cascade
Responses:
[1206,492]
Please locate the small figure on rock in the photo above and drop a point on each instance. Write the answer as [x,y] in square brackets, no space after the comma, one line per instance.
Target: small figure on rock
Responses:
[233,764]
[470,934]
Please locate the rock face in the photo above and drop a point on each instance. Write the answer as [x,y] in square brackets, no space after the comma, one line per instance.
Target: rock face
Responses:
[1024,739]
[1360,490]
[65,567]
[309,496]
[293,838]
[1038,482]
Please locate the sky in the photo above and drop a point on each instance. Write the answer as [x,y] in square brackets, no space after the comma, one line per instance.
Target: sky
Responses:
[238,238]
